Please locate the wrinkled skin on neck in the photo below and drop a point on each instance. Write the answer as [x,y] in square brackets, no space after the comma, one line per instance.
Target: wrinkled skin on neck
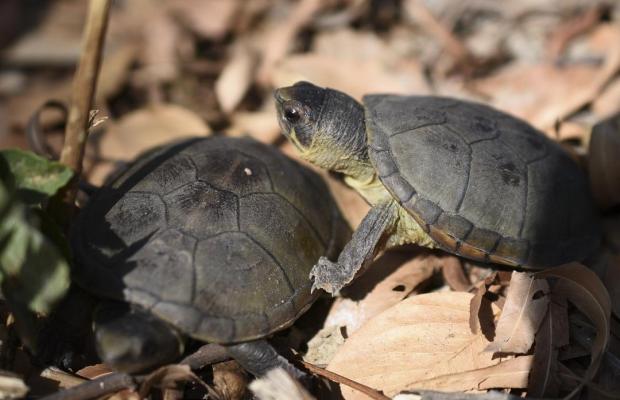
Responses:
[327,127]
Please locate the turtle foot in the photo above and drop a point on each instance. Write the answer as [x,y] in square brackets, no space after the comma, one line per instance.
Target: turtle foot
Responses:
[329,276]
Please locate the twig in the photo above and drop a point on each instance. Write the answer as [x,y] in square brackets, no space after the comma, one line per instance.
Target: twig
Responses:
[332,376]
[96,388]
[84,84]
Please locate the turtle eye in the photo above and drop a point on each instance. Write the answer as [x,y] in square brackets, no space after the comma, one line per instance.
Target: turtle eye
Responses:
[292,113]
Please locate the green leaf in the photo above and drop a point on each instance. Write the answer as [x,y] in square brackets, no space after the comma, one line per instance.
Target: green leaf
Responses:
[33,269]
[34,178]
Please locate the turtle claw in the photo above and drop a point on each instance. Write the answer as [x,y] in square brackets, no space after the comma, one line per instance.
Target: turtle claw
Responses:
[327,275]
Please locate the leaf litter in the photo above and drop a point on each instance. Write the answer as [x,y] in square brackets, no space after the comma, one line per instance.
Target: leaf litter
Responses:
[418,320]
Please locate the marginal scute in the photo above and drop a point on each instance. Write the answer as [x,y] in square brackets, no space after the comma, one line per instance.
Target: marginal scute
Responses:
[513,251]
[427,210]
[454,225]
[483,239]
[399,186]
[385,163]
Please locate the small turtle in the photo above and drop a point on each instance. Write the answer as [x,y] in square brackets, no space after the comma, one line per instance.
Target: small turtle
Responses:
[212,238]
[444,173]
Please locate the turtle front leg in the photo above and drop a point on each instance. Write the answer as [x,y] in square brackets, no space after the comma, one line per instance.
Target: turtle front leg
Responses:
[357,255]
[258,357]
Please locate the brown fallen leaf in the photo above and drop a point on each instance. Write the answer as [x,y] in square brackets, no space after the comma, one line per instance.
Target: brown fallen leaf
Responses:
[211,19]
[512,373]
[261,125]
[553,334]
[370,76]
[571,28]
[142,129]
[236,78]
[421,338]
[230,380]
[526,305]
[454,275]
[539,93]
[168,376]
[480,311]
[391,278]
[584,289]
[281,36]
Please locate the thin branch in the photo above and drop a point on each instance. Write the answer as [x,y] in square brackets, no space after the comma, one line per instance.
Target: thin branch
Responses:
[109,383]
[84,84]
[334,377]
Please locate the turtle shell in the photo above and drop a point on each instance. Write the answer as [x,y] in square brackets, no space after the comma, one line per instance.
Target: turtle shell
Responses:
[217,236]
[483,184]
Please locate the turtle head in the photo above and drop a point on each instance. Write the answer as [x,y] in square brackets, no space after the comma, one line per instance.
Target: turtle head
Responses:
[325,125]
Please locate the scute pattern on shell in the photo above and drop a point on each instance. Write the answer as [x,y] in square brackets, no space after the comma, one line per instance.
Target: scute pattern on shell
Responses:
[216,236]
[483,184]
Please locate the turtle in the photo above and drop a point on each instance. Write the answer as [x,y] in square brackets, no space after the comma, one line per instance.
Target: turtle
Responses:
[211,239]
[442,173]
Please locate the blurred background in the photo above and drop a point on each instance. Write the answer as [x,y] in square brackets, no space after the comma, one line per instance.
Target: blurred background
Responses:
[176,68]
[183,67]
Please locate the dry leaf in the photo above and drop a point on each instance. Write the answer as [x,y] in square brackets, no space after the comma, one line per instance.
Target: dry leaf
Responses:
[604,163]
[324,345]
[422,338]
[391,278]
[94,371]
[279,40]
[480,311]
[353,77]
[279,385]
[211,19]
[585,290]
[236,78]
[512,373]
[553,334]
[167,377]
[608,103]
[454,275]
[261,125]
[540,93]
[143,129]
[230,380]
[526,305]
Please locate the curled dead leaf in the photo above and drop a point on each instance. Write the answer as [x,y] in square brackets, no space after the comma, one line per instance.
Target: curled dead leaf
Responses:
[526,305]
[582,287]
[553,334]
